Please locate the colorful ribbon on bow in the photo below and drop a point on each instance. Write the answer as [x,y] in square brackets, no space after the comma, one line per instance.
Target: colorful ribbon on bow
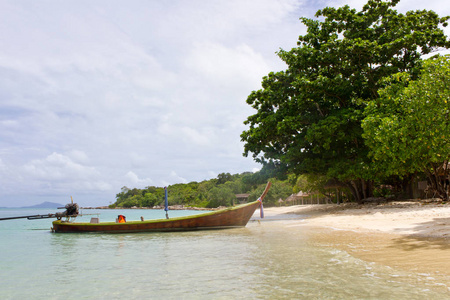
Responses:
[261,208]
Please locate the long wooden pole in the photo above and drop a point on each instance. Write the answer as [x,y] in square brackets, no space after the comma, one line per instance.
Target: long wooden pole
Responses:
[31,217]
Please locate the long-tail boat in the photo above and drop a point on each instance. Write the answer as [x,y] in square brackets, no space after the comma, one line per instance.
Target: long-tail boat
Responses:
[233,217]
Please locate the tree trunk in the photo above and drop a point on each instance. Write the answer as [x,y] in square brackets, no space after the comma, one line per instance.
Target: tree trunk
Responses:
[439,181]
[361,189]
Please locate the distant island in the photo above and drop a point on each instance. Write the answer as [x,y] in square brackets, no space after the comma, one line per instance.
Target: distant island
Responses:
[45,205]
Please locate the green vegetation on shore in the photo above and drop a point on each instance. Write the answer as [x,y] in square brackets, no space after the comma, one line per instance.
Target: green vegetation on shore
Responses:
[220,191]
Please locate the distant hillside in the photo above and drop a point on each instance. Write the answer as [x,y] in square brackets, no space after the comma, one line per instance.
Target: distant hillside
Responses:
[45,205]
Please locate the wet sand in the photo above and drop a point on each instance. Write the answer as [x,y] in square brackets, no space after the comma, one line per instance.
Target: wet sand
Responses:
[410,236]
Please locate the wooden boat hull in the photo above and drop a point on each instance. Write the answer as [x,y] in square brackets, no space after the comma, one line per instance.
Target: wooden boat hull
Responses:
[227,218]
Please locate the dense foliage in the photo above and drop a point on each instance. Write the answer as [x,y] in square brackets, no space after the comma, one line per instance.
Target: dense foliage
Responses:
[308,118]
[220,191]
[408,127]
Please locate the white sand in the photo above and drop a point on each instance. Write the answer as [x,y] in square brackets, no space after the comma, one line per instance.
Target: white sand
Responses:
[404,218]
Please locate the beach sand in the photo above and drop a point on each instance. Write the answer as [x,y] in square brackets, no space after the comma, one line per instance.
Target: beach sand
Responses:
[410,236]
[413,218]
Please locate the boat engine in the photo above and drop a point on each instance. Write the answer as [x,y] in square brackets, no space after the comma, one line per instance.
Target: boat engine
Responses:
[71,211]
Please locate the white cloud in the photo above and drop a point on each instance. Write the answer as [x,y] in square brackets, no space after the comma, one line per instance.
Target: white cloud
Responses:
[196,137]
[58,167]
[78,156]
[55,167]
[57,173]
[175,177]
[155,90]
[221,65]
[134,181]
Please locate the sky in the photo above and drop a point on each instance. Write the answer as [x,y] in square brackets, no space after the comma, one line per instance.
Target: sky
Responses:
[96,95]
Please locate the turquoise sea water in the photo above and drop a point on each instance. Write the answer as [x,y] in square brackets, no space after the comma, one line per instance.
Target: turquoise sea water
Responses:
[266,260]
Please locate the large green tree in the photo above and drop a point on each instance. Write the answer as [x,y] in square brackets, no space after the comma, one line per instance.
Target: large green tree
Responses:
[309,116]
[408,127]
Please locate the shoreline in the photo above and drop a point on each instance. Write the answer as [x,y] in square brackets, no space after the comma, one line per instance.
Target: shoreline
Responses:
[425,219]
[409,236]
